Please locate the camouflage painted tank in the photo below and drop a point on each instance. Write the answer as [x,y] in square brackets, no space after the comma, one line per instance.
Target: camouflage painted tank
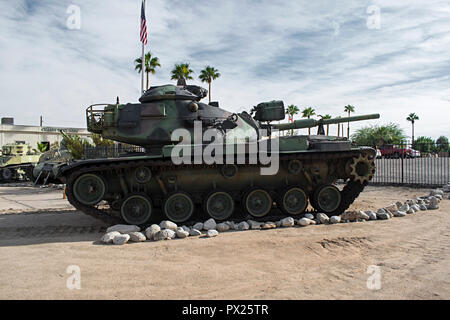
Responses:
[17,162]
[47,166]
[202,161]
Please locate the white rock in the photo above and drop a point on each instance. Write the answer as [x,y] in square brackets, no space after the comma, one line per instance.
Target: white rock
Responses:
[362,215]
[446,188]
[312,222]
[398,204]
[151,231]
[335,219]
[222,227]
[404,208]
[198,226]
[123,228]
[383,215]
[243,226]
[415,208]
[194,232]
[287,222]
[165,234]
[399,214]
[212,233]
[108,237]
[372,215]
[439,196]
[391,208]
[185,228]
[323,218]
[268,225]
[423,207]
[168,225]
[121,239]
[410,211]
[434,204]
[309,216]
[254,225]
[350,215]
[381,211]
[304,222]
[209,224]
[181,233]
[137,236]
[436,192]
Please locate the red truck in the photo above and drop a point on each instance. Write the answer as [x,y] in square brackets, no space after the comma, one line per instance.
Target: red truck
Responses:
[395,151]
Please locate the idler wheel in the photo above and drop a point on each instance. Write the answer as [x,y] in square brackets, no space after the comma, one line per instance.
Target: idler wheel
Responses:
[258,202]
[219,205]
[178,206]
[326,198]
[136,209]
[362,168]
[293,201]
[89,189]
[142,174]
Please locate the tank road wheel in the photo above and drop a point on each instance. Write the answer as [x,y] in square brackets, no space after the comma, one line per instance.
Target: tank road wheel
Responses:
[219,205]
[89,189]
[326,199]
[178,206]
[136,209]
[6,174]
[362,168]
[258,203]
[293,201]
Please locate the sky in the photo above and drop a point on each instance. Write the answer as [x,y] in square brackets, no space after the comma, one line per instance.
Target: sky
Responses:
[390,57]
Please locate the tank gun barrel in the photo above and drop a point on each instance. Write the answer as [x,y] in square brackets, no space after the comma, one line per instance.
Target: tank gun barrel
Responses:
[309,123]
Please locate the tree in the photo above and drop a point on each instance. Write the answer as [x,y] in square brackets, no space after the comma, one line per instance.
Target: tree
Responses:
[208,75]
[442,144]
[182,72]
[75,144]
[42,147]
[349,109]
[308,113]
[150,65]
[376,136]
[291,111]
[99,141]
[424,144]
[412,118]
[326,117]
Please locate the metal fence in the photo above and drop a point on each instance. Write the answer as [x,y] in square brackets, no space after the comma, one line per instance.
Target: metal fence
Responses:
[421,165]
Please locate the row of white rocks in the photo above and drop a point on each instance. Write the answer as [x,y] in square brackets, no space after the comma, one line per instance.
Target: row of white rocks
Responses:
[167,230]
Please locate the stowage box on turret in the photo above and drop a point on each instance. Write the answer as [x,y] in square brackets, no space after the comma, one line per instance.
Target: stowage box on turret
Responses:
[201,160]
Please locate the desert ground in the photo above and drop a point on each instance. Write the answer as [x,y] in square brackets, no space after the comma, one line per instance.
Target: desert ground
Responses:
[41,235]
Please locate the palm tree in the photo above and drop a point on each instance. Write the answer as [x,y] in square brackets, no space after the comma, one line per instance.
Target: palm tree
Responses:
[150,64]
[182,72]
[308,113]
[326,117]
[292,110]
[348,109]
[208,75]
[412,118]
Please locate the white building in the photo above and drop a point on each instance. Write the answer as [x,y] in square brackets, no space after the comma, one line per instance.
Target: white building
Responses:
[10,133]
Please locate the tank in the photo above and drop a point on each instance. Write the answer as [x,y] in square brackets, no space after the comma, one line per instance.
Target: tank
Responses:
[17,162]
[46,168]
[201,161]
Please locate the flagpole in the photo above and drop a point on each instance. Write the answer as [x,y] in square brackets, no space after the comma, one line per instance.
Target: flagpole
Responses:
[143,62]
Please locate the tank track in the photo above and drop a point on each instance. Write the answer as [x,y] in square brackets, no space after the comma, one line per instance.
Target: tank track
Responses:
[349,193]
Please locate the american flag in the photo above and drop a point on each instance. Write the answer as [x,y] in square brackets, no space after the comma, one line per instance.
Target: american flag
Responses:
[143,25]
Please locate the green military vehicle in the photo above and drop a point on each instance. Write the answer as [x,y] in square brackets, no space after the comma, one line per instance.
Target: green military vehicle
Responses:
[17,162]
[175,178]
[44,170]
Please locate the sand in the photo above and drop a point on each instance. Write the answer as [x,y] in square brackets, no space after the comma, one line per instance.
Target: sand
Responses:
[315,262]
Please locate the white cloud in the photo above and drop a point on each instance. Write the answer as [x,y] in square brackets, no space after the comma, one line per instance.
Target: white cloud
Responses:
[318,54]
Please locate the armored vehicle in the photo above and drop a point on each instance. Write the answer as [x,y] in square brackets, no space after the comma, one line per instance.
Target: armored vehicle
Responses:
[17,162]
[199,156]
[44,170]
